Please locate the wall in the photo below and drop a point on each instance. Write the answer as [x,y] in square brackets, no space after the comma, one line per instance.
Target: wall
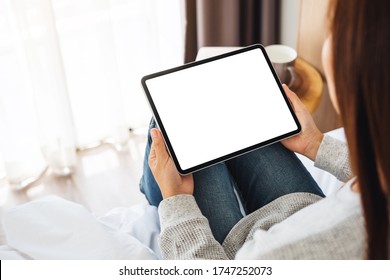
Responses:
[289,22]
[304,27]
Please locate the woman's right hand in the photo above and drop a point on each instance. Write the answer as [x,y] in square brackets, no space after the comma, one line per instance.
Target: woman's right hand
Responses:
[310,138]
[164,170]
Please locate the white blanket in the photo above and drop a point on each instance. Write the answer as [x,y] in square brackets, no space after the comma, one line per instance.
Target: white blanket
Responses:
[54,228]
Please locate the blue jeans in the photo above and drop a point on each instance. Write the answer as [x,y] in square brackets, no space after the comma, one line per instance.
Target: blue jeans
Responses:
[259,177]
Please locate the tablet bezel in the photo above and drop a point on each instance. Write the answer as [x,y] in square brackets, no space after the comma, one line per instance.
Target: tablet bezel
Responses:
[160,123]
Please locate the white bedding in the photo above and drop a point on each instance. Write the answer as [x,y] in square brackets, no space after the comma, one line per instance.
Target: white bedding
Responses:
[54,228]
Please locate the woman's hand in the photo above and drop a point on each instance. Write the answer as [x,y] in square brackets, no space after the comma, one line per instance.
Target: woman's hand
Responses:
[164,171]
[310,138]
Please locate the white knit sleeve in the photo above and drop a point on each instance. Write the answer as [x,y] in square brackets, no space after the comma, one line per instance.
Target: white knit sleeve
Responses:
[332,156]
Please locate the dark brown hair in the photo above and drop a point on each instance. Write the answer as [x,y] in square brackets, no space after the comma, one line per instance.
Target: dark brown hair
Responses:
[361,63]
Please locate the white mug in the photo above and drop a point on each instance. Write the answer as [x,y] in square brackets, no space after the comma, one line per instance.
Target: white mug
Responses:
[283,59]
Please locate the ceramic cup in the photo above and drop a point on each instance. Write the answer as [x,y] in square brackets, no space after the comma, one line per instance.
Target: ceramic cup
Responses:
[283,59]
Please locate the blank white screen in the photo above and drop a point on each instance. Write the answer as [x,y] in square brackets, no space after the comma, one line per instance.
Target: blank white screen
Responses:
[217,108]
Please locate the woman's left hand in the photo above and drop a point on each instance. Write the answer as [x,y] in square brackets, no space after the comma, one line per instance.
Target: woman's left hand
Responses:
[164,170]
[309,140]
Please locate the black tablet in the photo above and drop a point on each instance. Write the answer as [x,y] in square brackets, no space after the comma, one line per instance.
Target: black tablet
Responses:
[218,108]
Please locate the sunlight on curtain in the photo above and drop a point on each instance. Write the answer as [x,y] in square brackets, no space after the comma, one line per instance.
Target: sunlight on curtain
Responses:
[70,74]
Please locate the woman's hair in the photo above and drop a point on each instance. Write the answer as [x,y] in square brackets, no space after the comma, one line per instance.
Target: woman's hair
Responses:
[361,63]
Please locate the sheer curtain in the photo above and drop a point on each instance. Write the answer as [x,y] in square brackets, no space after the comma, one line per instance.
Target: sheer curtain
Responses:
[70,75]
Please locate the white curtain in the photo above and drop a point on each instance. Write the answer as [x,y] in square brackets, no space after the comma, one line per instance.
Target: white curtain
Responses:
[70,75]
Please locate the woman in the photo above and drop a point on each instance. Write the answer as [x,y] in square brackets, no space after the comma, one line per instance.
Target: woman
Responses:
[287,215]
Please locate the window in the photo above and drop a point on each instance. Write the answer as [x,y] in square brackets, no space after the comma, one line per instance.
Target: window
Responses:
[70,74]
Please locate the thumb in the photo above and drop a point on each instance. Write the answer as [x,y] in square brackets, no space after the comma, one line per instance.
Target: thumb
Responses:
[290,94]
[294,99]
[158,152]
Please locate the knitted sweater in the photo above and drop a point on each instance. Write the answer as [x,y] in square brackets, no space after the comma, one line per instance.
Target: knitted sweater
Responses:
[294,226]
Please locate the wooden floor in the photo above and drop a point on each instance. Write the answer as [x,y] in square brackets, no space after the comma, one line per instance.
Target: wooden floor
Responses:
[104,179]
